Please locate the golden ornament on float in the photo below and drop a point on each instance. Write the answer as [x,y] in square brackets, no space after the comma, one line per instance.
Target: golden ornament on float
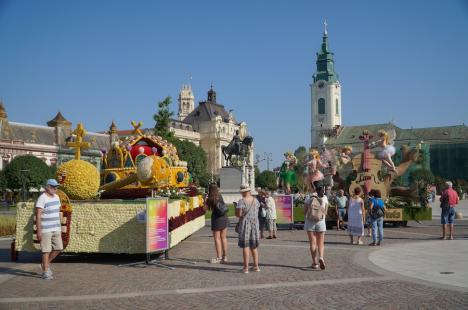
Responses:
[79,179]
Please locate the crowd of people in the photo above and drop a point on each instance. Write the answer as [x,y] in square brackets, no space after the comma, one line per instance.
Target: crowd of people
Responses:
[257,215]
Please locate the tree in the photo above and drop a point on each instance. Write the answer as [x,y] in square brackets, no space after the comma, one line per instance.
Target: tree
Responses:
[301,154]
[3,182]
[194,155]
[163,119]
[196,159]
[266,179]
[422,175]
[28,169]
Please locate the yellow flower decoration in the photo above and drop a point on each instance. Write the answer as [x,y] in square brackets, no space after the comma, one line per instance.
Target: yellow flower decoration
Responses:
[182,207]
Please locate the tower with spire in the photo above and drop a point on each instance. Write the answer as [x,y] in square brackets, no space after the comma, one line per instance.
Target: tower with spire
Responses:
[325,94]
[186,102]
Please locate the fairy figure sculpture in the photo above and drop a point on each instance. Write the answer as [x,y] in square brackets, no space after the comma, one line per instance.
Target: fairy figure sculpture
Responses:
[345,156]
[388,149]
[313,165]
[329,161]
[287,174]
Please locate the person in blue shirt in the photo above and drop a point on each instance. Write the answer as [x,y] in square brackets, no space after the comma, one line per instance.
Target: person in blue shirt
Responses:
[377,212]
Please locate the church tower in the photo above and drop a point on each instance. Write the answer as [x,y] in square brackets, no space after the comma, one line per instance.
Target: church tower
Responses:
[186,102]
[325,95]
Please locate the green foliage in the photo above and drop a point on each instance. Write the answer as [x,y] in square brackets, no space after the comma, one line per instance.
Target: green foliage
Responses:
[7,225]
[3,181]
[440,184]
[196,160]
[163,119]
[302,156]
[231,211]
[422,175]
[266,179]
[36,176]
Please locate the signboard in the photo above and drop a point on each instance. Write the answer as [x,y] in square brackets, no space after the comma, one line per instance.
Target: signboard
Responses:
[393,214]
[284,209]
[157,225]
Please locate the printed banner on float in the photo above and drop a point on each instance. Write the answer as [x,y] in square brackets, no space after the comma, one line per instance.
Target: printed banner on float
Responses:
[157,225]
[284,209]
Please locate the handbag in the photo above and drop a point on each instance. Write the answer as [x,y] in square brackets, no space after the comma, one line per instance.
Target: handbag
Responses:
[221,208]
[377,211]
[238,223]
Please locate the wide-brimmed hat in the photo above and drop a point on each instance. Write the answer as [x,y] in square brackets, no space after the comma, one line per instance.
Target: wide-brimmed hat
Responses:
[244,189]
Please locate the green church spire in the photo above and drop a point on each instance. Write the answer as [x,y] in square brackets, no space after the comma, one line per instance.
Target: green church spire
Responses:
[325,64]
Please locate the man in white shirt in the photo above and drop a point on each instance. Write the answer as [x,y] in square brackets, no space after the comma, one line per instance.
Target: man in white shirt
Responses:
[271,215]
[48,227]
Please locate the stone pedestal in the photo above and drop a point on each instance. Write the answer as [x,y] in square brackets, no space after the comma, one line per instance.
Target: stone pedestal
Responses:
[231,178]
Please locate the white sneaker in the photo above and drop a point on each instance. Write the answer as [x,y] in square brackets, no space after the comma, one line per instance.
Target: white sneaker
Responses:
[47,275]
[50,269]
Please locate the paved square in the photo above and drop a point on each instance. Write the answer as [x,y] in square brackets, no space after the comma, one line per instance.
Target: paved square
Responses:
[405,273]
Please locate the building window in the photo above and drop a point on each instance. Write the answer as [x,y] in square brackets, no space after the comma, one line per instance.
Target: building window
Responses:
[337,107]
[321,106]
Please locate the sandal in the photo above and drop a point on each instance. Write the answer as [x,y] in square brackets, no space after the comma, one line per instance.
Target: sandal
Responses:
[256,269]
[314,267]
[216,260]
[245,271]
[322,264]
[224,260]
[269,237]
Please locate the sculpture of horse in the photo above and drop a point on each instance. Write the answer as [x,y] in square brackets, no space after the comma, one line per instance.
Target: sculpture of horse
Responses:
[242,149]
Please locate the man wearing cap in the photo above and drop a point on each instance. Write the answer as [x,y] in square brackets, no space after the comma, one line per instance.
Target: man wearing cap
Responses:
[448,200]
[48,227]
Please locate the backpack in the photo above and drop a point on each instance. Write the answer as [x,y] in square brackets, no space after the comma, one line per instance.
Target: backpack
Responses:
[378,210]
[315,212]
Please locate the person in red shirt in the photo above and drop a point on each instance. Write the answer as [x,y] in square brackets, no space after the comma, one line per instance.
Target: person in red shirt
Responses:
[448,201]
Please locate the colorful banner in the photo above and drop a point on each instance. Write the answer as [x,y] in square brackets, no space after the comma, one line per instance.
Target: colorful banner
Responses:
[284,209]
[157,225]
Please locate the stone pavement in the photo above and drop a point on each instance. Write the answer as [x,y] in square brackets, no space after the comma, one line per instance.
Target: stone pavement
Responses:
[357,277]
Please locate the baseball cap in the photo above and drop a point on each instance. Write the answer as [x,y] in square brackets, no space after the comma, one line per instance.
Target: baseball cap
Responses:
[52,182]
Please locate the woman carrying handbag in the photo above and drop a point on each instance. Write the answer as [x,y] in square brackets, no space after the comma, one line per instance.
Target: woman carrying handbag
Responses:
[248,228]
[219,223]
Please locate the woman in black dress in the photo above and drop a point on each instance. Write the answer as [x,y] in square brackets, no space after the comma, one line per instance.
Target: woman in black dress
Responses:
[219,223]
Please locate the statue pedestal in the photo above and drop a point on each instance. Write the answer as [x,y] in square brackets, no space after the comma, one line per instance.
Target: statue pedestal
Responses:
[231,178]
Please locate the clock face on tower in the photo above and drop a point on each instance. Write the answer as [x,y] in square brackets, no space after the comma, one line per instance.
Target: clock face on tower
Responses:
[320,84]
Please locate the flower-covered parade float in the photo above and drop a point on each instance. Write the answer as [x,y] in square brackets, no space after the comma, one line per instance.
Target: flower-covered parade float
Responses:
[103,211]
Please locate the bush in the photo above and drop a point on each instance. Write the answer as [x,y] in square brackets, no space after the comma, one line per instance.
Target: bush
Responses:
[422,175]
[7,225]
[266,179]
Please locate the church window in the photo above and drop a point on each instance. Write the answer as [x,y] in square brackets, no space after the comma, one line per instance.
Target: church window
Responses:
[321,106]
[337,107]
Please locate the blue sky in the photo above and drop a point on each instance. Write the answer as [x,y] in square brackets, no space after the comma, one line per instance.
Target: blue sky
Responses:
[102,60]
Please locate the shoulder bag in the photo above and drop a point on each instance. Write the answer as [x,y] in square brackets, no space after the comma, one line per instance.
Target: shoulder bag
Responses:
[243,215]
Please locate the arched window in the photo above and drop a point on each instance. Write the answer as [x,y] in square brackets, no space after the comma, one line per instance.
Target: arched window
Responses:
[337,107]
[321,106]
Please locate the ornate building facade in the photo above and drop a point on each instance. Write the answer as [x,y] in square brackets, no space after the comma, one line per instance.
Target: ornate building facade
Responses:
[45,142]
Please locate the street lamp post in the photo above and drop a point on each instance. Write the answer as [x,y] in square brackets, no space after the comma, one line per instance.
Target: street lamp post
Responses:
[23,180]
[268,158]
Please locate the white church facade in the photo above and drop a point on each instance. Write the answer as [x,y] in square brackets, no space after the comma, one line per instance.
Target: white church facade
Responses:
[325,96]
